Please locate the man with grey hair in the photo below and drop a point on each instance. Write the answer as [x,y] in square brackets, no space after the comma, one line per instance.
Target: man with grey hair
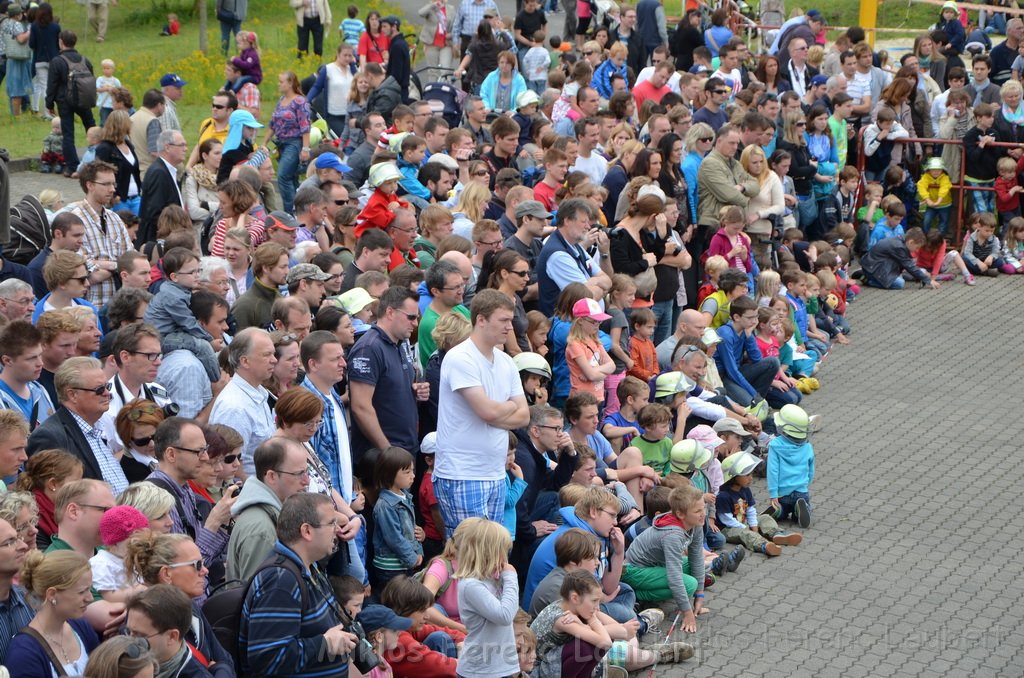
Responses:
[476,118]
[1005,52]
[310,211]
[17,301]
[84,392]
[446,285]
[565,258]
[160,185]
[242,404]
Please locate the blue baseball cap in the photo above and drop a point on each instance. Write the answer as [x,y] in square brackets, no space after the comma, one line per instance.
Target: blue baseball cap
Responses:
[172,80]
[376,617]
[330,160]
[243,118]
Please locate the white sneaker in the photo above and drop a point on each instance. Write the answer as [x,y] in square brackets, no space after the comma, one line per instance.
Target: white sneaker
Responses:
[816,423]
[653,616]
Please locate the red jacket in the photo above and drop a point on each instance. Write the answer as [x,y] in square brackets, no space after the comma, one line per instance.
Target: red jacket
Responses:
[413,659]
[376,213]
[645,359]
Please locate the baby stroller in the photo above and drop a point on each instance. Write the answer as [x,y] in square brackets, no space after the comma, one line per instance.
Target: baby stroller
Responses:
[445,97]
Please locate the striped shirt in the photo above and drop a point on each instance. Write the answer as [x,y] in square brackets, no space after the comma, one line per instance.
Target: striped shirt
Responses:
[470,14]
[352,29]
[109,467]
[15,614]
[278,635]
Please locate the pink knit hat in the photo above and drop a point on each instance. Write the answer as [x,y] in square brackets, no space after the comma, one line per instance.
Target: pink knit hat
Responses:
[121,522]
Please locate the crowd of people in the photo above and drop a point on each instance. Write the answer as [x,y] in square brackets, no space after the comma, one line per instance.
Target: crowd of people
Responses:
[467,399]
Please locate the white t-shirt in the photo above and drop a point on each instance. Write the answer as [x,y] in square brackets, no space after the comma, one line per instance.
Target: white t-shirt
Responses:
[595,167]
[339,84]
[108,571]
[467,447]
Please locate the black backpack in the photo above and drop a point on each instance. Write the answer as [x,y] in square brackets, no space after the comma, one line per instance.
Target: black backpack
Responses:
[81,90]
[30,230]
[223,609]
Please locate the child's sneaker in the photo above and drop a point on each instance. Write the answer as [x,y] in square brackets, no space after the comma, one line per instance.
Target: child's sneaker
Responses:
[944,277]
[802,513]
[719,564]
[616,672]
[650,619]
[816,422]
[771,550]
[803,386]
[734,558]
[671,653]
[814,383]
[45,168]
[969,279]
[787,539]
[709,580]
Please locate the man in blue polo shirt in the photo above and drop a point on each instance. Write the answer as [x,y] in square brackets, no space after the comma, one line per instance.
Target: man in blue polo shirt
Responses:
[382,378]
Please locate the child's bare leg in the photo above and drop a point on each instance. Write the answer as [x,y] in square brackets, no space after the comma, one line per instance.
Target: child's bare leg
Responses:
[628,465]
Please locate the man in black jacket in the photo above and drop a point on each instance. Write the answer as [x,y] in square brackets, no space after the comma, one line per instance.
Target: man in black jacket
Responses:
[399,63]
[385,92]
[57,94]
[160,185]
[84,392]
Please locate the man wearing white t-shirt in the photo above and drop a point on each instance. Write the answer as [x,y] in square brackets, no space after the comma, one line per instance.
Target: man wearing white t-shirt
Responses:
[481,399]
[657,56]
[588,160]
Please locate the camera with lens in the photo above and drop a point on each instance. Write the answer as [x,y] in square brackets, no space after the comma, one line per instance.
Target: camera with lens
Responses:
[363,656]
[170,410]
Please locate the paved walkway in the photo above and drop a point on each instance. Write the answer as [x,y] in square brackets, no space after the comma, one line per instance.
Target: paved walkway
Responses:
[903,572]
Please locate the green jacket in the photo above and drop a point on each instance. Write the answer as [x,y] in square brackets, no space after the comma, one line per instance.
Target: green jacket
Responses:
[716,187]
[252,309]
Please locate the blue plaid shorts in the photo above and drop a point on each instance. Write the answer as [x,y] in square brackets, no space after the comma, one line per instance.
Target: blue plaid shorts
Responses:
[461,499]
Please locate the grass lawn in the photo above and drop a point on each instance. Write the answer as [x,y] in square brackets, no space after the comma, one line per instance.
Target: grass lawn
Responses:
[133,41]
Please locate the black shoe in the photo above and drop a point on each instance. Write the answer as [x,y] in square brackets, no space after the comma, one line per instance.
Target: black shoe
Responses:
[735,557]
[719,565]
[858,274]
[802,513]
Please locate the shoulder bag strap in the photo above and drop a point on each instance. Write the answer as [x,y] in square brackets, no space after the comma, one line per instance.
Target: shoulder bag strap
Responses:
[58,667]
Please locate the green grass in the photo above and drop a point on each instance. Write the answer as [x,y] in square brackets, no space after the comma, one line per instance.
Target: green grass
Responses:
[133,41]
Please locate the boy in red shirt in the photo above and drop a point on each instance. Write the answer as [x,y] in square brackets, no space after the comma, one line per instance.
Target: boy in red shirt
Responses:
[556,165]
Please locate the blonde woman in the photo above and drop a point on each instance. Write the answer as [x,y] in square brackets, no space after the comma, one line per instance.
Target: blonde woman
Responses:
[353,135]
[802,171]
[238,253]
[470,208]
[698,142]
[770,201]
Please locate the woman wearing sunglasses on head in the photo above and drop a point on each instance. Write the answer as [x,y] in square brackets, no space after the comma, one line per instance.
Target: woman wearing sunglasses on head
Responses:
[175,559]
[135,424]
[122,657]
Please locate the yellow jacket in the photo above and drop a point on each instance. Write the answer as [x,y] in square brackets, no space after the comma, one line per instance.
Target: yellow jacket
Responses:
[932,188]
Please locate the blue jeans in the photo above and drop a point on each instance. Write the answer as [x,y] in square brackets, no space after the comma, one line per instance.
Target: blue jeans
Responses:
[759,375]
[621,609]
[663,311]
[228,30]
[713,540]
[940,215]
[441,642]
[788,504]
[288,170]
[777,397]
[898,284]
[807,212]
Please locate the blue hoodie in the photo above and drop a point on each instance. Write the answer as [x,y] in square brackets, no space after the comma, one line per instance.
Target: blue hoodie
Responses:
[790,466]
[544,557]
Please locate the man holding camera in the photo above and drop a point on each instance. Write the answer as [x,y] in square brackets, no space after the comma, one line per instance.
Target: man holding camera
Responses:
[290,623]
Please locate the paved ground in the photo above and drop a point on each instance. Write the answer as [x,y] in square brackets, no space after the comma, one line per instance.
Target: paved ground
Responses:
[903,572]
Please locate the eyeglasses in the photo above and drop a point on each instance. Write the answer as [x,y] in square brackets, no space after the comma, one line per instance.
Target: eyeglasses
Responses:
[102,389]
[138,647]
[313,425]
[219,107]
[706,139]
[82,279]
[521,274]
[491,243]
[198,564]
[481,173]
[205,449]
[192,272]
[341,203]
[101,509]
[25,530]
[682,356]
[297,474]
[230,458]
[404,230]
[591,53]
[181,145]
[333,524]
[142,442]
[454,287]
[151,357]
[798,49]
[8,543]
[613,514]
[104,183]
[139,637]
[550,427]
[411,317]
[21,302]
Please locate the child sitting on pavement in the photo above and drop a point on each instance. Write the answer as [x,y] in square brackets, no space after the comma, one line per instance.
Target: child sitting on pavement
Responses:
[622,427]
[736,513]
[941,263]
[423,649]
[886,263]
[982,250]
[791,466]
[655,445]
